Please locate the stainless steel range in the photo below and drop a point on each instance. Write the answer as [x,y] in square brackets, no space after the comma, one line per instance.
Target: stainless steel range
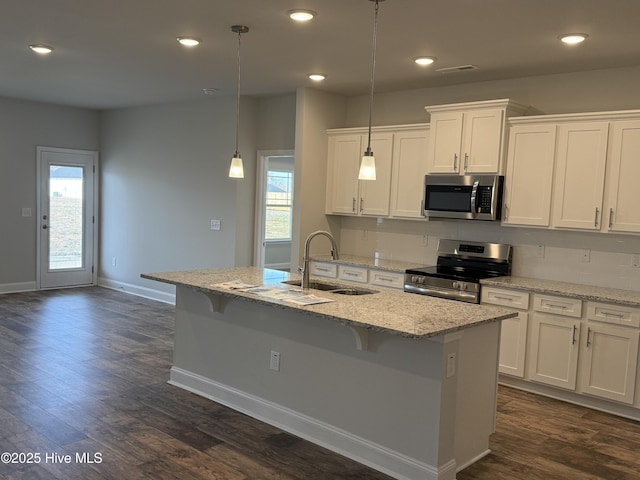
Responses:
[460,267]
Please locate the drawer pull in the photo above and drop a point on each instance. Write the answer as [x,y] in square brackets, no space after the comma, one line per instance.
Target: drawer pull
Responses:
[322,269]
[500,297]
[612,314]
[385,279]
[555,305]
[352,274]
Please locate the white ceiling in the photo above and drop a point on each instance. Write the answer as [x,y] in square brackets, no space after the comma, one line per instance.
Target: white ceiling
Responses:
[112,53]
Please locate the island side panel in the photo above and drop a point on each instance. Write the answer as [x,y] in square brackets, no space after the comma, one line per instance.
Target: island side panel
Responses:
[477,386]
[393,398]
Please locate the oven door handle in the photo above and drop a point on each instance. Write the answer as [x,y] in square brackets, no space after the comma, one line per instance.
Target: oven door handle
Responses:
[443,293]
[474,199]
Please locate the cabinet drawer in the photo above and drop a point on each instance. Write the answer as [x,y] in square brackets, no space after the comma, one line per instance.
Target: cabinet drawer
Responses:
[324,269]
[386,279]
[569,307]
[616,314]
[505,298]
[352,274]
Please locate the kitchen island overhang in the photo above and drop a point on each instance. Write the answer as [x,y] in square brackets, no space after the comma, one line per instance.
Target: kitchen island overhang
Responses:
[403,383]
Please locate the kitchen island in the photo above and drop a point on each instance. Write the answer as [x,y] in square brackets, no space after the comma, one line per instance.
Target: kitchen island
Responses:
[403,383]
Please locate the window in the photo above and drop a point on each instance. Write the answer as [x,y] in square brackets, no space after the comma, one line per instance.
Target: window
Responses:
[279,205]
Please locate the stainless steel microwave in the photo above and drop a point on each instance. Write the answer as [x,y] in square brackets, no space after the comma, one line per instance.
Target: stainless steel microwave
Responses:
[470,197]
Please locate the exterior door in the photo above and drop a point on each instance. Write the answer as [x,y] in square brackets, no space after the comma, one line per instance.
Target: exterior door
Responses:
[66,217]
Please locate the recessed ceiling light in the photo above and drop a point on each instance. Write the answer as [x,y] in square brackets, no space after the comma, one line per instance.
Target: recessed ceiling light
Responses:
[317,77]
[573,38]
[188,41]
[41,49]
[424,60]
[301,15]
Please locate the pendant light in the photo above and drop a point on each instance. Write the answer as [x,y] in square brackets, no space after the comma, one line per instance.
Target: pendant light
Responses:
[236,170]
[368,162]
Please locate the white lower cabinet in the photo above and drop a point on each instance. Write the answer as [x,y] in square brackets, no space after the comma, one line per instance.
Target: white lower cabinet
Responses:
[553,353]
[324,269]
[609,362]
[351,273]
[583,347]
[513,333]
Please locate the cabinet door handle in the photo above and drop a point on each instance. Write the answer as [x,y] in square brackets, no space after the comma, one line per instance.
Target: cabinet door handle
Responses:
[353,205]
[588,337]
[455,162]
[610,217]
[595,222]
[573,339]
[466,161]
[361,204]
[506,211]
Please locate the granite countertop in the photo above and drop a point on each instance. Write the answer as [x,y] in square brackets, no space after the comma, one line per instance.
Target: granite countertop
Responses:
[395,312]
[397,266]
[566,289]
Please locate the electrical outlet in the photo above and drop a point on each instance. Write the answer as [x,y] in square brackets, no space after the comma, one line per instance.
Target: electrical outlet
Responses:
[540,251]
[26,212]
[215,224]
[635,260]
[451,365]
[274,363]
[586,255]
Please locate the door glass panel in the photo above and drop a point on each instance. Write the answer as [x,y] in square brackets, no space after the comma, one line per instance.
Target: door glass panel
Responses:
[66,214]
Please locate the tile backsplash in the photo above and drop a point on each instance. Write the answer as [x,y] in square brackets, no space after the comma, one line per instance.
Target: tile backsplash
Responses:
[578,257]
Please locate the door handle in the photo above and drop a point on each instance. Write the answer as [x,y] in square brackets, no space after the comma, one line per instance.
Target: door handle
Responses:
[595,223]
[466,161]
[610,217]
[44,227]
[455,162]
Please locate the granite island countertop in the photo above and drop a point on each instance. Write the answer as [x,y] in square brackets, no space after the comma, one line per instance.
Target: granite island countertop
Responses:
[391,311]
[567,289]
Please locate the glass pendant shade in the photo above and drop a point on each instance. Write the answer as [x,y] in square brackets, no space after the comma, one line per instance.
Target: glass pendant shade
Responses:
[367,166]
[236,170]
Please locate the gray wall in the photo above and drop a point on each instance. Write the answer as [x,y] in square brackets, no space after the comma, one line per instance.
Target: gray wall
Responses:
[23,126]
[165,177]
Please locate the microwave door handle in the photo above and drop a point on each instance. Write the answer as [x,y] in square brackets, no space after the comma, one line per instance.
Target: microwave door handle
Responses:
[474,199]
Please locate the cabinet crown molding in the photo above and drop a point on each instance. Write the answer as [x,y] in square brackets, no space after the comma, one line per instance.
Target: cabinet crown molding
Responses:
[576,117]
[514,108]
[380,128]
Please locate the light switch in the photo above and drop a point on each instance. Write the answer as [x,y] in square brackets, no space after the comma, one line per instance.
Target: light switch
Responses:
[26,212]
[215,224]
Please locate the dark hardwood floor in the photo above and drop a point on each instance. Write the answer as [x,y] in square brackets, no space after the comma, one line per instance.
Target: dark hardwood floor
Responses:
[83,373]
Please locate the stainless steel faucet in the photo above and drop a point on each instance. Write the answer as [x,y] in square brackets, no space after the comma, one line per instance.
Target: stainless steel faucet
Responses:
[305,259]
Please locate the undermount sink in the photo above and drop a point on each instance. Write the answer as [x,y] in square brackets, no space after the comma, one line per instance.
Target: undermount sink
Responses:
[332,288]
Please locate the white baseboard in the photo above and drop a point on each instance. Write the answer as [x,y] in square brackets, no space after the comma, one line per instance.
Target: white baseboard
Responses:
[145,292]
[17,287]
[392,463]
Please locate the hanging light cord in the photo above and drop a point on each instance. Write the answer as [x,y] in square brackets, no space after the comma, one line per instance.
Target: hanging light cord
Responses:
[238,96]
[373,71]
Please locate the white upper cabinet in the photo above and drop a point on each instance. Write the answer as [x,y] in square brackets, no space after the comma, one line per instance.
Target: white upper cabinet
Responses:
[590,159]
[345,193]
[409,168]
[400,153]
[529,177]
[622,210]
[344,154]
[469,137]
[579,176]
